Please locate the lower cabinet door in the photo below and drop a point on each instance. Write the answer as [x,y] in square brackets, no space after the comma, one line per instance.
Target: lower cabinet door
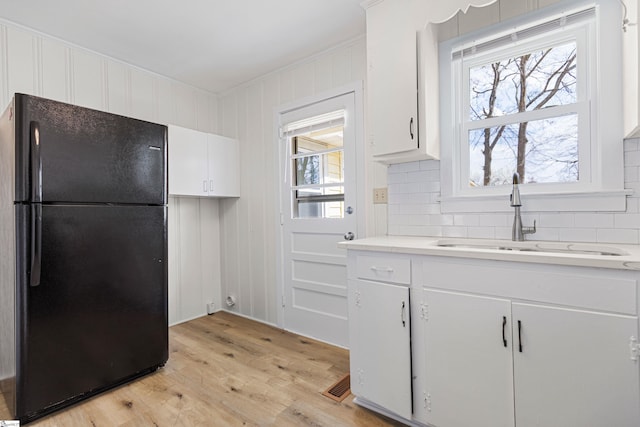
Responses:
[379,334]
[468,366]
[574,368]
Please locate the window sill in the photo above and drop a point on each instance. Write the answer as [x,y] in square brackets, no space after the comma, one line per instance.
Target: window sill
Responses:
[600,201]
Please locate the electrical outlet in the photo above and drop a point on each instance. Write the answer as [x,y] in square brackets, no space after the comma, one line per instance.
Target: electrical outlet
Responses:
[380,195]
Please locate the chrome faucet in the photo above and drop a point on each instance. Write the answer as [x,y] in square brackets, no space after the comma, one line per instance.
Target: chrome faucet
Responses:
[518,232]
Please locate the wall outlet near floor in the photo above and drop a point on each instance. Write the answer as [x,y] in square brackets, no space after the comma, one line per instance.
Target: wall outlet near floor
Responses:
[380,195]
[211,308]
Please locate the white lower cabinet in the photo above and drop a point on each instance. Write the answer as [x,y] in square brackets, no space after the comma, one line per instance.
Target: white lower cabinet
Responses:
[380,344]
[494,343]
[553,366]
[575,368]
[468,363]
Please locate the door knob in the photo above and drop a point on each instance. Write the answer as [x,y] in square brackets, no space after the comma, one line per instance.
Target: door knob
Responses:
[349,235]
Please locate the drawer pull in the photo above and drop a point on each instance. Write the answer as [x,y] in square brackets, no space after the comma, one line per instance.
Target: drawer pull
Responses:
[382,269]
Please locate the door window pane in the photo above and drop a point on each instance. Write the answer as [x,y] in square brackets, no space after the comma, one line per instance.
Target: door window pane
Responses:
[318,174]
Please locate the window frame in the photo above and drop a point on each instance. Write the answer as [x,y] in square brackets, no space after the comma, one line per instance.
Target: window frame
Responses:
[601,183]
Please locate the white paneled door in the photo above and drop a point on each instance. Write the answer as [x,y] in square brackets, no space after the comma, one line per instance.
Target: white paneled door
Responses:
[318,209]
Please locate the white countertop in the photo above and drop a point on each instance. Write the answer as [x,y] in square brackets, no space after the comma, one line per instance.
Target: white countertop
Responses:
[541,252]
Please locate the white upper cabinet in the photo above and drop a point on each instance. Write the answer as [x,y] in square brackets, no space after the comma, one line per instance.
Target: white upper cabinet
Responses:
[392,80]
[402,76]
[630,71]
[202,165]
[224,177]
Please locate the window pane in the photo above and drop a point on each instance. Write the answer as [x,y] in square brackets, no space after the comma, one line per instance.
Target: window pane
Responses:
[540,79]
[319,202]
[318,162]
[549,151]
[326,168]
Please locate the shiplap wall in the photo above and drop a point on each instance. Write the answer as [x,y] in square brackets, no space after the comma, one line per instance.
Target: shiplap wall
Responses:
[248,225]
[36,64]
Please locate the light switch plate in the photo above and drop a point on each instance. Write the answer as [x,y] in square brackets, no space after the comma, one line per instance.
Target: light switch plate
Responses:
[380,195]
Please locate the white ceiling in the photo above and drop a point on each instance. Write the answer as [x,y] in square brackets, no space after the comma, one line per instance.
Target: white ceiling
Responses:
[211,44]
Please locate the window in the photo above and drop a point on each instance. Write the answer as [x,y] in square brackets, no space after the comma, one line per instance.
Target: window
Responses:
[528,98]
[318,190]
[317,167]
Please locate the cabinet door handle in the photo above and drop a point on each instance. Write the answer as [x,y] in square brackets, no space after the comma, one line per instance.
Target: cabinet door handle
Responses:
[404,324]
[204,186]
[211,186]
[411,127]
[519,336]
[504,325]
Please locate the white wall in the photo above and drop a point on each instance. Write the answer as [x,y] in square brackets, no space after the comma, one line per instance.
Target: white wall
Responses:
[36,64]
[248,225]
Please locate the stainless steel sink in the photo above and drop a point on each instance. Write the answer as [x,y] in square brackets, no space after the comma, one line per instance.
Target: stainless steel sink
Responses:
[560,248]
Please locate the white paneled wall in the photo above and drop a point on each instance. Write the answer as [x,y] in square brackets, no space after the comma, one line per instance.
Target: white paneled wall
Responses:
[36,64]
[248,225]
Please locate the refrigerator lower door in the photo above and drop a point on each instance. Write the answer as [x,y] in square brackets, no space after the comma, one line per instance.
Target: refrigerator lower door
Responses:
[98,314]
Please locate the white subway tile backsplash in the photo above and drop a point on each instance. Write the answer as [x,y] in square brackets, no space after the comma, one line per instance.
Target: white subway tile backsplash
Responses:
[430,165]
[617,235]
[632,145]
[436,219]
[466,220]
[544,234]
[632,158]
[626,220]
[453,231]
[593,220]
[556,220]
[481,232]
[495,220]
[430,186]
[397,178]
[414,209]
[631,174]
[577,234]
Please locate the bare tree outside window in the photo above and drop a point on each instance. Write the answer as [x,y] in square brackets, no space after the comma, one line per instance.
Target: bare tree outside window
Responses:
[539,150]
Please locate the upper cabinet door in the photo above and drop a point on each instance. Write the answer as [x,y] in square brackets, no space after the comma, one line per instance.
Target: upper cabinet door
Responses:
[224,176]
[392,78]
[188,162]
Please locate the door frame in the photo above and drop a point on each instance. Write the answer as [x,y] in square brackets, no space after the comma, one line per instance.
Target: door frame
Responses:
[362,187]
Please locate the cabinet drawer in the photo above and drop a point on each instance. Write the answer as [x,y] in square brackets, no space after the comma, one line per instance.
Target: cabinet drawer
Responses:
[613,291]
[384,269]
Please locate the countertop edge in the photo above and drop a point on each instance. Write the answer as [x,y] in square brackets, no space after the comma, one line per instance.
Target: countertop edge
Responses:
[411,245]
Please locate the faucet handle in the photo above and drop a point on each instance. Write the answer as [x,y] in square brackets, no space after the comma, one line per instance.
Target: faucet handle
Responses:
[529,230]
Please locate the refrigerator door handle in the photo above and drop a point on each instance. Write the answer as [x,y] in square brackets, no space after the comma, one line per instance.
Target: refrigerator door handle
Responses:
[36,163]
[36,244]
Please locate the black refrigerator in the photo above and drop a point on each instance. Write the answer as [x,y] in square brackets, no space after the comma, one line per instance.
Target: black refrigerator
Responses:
[83,253]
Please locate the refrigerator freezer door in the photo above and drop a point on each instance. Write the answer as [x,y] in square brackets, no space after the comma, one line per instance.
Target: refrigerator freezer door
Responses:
[71,154]
[98,315]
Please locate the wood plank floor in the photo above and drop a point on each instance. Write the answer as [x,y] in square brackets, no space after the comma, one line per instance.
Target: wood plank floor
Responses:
[225,370]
